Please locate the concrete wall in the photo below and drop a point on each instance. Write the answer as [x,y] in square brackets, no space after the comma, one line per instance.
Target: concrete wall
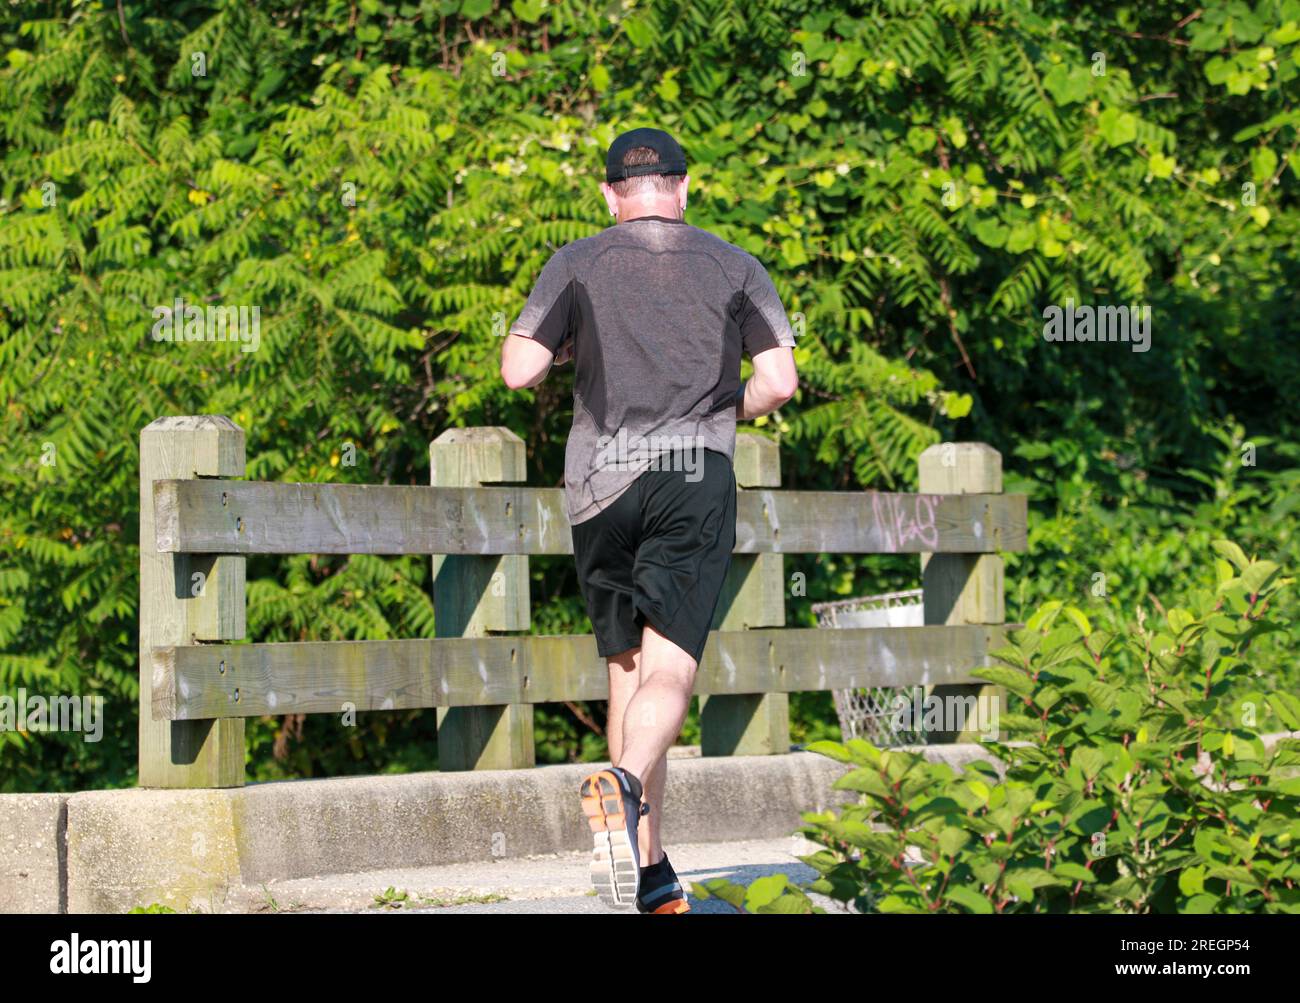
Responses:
[108,851]
[33,875]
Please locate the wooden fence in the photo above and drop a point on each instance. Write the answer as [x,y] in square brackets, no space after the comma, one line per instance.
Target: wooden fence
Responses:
[197,523]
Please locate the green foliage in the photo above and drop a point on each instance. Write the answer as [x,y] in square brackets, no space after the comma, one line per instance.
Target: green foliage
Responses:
[390,898]
[384,180]
[1140,781]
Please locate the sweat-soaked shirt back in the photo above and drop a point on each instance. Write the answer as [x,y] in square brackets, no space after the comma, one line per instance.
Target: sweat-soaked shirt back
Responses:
[660,313]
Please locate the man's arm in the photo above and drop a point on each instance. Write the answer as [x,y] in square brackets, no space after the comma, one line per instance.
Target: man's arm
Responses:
[768,340]
[525,361]
[774,382]
[543,332]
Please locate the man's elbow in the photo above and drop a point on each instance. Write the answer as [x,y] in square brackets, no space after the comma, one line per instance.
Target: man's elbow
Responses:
[786,387]
[513,378]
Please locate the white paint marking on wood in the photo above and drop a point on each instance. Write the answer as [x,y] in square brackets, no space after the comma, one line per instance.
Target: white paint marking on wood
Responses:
[888,662]
[486,546]
[331,509]
[543,522]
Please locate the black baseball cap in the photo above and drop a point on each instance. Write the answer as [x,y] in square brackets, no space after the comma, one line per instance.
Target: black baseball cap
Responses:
[671,158]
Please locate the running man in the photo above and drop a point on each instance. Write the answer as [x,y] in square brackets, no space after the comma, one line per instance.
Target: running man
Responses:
[655,314]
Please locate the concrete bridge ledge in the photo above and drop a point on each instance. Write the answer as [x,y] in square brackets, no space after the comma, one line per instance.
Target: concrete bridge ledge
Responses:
[109,851]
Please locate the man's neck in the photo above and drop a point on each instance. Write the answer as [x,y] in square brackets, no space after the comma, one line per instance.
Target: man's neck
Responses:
[663,210]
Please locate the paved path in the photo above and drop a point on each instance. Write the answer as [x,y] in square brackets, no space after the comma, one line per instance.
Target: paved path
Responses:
[555,884]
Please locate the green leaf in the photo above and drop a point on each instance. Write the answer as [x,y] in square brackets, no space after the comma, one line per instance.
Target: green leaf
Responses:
[951,840]
[788,905]
[966,896]
[832,750]
[1103,696]
[1287,708]
[1257,576]
[1013,679]
[957,405]
[1178,620]
[952,125]
[1075,872]
[1263,162]
[1117,127]
[866,780]
[1161,166]
[1067,84]
[1022,238]
[721,888]
[668,88]
[1077,617]
[529,10]
[897,904]
[1206,844]
[1091,761]
[1232,552]
[1043,614]
[639,31]
[792,251]
[765,890]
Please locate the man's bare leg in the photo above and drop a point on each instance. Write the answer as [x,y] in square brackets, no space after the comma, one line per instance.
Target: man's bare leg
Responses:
[657,710]
[624,680]
[648,836]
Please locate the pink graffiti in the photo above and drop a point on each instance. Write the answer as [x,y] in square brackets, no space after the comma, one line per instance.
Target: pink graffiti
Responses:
[902,518]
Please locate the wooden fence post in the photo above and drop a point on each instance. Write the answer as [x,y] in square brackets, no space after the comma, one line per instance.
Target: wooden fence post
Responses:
[962,588]
[475,595]
[753,595]
[185,599]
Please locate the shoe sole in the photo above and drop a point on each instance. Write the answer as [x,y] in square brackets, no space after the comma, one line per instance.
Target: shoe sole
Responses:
[614,871]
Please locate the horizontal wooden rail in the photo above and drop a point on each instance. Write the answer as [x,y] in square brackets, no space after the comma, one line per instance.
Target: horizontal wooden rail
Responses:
[328,677]
[250,517]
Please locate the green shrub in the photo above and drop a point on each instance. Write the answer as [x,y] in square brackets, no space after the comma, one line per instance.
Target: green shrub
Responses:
[920,179]
[1140,782]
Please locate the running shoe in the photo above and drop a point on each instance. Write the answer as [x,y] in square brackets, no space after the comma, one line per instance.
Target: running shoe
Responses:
[611,800]
[661,893]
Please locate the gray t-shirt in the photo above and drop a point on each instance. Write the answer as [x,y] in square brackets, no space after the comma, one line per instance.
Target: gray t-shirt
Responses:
[659,312]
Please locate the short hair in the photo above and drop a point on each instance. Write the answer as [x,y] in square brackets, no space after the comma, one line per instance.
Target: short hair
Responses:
[665,184]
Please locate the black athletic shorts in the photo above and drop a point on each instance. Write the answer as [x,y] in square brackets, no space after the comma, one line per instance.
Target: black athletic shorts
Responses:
[659,554]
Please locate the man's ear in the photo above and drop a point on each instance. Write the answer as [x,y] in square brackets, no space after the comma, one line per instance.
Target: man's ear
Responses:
[681,191]
[611,200]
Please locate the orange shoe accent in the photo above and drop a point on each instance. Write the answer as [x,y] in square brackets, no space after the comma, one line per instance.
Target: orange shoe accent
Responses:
[602,802]
[675,906]
[613,867]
